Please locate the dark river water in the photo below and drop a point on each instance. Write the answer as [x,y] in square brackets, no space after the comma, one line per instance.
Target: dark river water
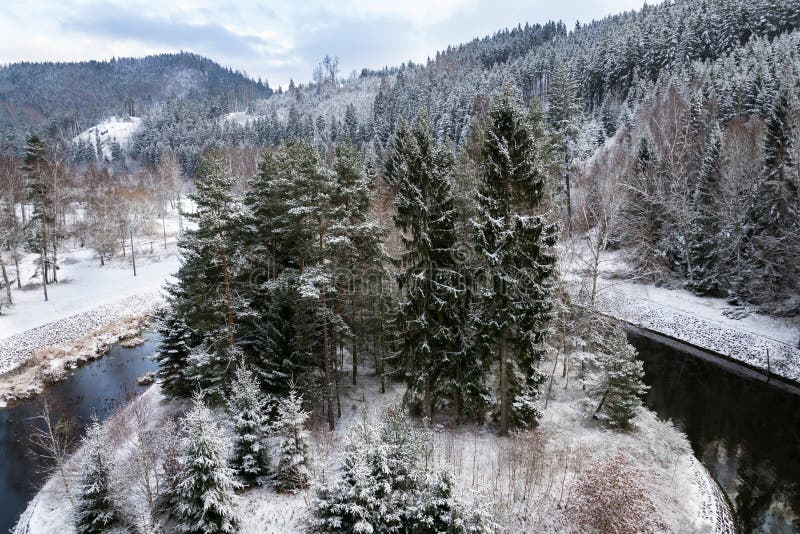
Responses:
[97,387]
[745,432]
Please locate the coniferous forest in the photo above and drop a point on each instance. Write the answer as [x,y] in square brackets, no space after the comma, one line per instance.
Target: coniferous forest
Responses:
[399,301]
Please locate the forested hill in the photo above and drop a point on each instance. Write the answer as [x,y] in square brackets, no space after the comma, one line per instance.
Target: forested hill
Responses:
[64,98]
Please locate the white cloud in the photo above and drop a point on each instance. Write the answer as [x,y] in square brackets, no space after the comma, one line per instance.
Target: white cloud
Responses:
[280,41]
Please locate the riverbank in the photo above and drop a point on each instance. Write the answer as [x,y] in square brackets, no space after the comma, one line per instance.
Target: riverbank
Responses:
[761,344]
[764,344]
[51,363]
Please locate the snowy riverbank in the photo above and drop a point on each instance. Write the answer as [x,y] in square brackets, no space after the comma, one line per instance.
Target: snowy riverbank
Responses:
[767,344]
[764,343]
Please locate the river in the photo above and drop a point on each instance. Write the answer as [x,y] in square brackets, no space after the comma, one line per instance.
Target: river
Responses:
[97,387]
[745,432]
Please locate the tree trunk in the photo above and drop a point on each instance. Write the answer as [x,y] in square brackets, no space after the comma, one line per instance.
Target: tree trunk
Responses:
[55,258]
[325,347]
[43,258]
[354,345]
[569,197]
[428,402]
[327,363]
[5,280]
[504,388]
[380,345]
[228,295]
[16,267]
[133,254]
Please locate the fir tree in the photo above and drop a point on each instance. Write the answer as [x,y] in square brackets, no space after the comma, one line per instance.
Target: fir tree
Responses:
[422,174]
[205,484]
[620,380]
[247,407]
[515,243]
[173,353]
[294,460]
[95,510]
[704,275]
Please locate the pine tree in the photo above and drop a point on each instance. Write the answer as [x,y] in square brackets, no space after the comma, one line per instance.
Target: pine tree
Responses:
[96,511]
[202,298]
[265,333]
[205,484]
[294,461]
[704,275]
[247,407]
[432,282]
[515,243]
[620,380]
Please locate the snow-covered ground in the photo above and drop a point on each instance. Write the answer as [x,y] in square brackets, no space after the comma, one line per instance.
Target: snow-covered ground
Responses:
[709,323]
[86,298]
[527,480]
[114,128]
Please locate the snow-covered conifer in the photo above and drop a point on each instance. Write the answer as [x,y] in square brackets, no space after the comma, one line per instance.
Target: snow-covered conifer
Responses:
[205,485]
[294,451]
[704,273]
[95,510]
[173,354]
[247,407]
[515,242]
[619,380]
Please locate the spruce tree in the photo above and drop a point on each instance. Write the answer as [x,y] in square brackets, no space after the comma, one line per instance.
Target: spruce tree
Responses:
[620,380]
[172,357]
[95,510]
[203,298]
[247,407]
[705,273]
[294,451]
[774,220]
[205,484]
[515,243]
[39,196]
[563,116]
[422,174]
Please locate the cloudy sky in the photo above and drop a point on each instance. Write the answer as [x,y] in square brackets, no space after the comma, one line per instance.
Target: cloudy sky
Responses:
[276,40]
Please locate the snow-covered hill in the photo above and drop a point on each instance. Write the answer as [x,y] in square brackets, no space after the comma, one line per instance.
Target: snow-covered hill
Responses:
[113,129]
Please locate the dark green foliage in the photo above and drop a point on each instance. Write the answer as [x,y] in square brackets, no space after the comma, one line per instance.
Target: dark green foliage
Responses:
[705,270]
[515,242]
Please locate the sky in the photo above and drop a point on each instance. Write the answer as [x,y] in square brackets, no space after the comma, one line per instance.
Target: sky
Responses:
[276,40]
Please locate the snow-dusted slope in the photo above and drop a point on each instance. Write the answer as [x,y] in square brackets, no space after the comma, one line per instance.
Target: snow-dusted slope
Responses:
[114,128]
